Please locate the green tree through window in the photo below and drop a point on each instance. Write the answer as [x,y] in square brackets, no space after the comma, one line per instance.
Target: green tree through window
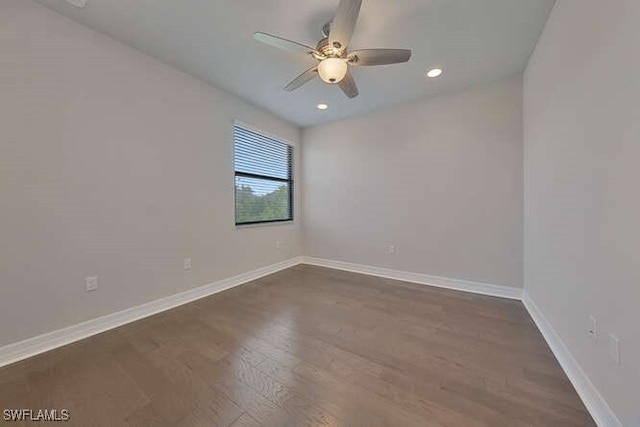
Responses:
[252,207]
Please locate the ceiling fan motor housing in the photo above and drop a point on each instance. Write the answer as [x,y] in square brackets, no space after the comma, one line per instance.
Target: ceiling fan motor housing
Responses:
[327,50]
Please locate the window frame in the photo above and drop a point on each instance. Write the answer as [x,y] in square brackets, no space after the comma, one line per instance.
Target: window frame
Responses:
[289,180]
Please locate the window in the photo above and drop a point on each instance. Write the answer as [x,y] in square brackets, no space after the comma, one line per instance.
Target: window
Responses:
[263,178]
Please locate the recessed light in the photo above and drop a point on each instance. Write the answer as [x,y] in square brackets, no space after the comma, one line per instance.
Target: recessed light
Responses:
[322,106]
[434,72]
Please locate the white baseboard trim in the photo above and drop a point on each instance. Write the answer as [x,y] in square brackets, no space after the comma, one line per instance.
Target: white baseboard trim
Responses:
[419,278]
[32,346]
[592,399]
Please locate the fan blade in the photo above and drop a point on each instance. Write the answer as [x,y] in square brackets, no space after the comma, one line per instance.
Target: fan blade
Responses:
[379,56]
[344,23]
[348,86]
[303,78]
[285,44]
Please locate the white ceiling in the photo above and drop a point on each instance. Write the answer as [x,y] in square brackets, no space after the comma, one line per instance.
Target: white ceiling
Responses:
[474,41]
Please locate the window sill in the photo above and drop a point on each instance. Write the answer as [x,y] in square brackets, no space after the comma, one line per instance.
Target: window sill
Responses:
[265,224]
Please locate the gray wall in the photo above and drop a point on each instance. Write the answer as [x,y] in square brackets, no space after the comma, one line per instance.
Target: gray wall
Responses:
[112,164]
[582,180]
[440,179]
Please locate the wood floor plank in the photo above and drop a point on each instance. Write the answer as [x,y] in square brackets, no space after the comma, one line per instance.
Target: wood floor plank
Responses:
[245,420]
[310,346]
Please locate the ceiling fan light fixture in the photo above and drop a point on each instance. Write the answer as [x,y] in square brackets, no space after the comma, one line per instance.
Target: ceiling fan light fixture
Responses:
[332,70]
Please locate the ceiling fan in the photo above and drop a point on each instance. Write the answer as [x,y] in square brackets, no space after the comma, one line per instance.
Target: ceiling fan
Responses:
[331,52]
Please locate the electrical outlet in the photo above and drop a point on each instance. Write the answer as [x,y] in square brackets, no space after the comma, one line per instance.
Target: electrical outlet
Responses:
[279,244]
[614,348]
[77,3]
[186,264]
[391,249]
[91,284]
[593,328]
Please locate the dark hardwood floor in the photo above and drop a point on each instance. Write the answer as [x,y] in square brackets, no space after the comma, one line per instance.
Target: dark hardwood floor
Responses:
[309,347]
